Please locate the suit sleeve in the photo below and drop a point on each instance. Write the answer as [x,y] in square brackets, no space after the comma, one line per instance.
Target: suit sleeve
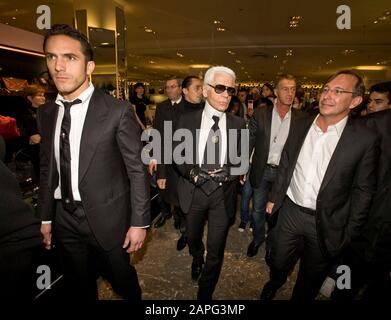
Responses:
[129,142]
[253,128]
[159,126]
[363,189]
[45,196]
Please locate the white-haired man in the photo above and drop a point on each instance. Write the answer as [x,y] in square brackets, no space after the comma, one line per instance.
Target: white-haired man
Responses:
[207,186]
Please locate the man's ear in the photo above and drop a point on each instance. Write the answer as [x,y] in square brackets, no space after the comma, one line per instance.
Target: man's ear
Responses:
[90,67]
[205,91]
[355,102]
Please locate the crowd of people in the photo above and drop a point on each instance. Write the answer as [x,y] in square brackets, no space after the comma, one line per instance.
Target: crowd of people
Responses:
[319,178]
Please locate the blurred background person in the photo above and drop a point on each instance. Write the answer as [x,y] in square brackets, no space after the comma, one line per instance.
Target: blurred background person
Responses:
[141,102]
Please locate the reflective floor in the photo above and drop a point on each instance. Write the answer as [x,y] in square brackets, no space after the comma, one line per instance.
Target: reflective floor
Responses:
[164,272]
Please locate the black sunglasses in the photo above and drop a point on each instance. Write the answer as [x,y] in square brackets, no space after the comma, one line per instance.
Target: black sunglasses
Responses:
[220,88]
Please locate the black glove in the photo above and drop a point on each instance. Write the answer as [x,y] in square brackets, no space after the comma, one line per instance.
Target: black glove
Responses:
[198,176]
[221,175]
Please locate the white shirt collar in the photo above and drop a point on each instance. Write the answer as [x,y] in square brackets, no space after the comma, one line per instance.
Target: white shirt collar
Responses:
[83,96]
[209,111]
[177,101]
[338,127]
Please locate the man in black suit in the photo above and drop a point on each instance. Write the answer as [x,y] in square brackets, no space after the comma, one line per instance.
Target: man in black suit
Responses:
[323,190]
[207,185]
[369,256]
[93,189]
[19,237]
[167,113]
[269,128]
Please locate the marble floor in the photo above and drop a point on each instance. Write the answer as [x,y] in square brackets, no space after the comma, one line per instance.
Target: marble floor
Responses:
[164,272]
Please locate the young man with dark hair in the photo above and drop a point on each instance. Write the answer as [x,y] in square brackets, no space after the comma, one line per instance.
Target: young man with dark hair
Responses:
[93,186]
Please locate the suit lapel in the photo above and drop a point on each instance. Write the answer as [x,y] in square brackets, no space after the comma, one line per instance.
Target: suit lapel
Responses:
[341,147]
[268,125]
[92,130]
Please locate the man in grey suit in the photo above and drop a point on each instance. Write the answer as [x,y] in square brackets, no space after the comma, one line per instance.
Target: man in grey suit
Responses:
[93,194]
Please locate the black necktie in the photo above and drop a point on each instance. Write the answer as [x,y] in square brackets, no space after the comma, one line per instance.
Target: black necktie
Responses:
[212,148]
[212,161]
[65,158]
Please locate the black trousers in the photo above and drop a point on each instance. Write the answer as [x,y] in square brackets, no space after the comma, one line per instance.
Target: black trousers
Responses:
[213,209]
[295,237]
[83,260]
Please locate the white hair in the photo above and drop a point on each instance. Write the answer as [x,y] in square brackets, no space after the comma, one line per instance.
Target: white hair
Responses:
[211,72]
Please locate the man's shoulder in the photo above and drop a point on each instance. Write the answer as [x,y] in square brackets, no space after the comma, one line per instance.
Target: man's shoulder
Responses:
[237,121]
[164,104]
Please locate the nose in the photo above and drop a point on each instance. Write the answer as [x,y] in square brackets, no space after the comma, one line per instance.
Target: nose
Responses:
[59,64]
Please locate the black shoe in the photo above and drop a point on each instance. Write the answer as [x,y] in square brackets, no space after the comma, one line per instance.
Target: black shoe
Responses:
[196,269]
[252,249]
[181,244]
[177,224]
[242,226]
[268,293]
[160,222]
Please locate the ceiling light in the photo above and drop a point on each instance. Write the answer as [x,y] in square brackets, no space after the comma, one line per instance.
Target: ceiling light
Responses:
[104,43]
[329,61]
[231,52]
[238,61]
[348,51]
[370,68]
[13,18]
[383,18]
[216,22]
[151,62]
[289,52]
[200,66]
[179,54]
[148,30]
[275,56]
[220,29]
[241,68]
[375,21]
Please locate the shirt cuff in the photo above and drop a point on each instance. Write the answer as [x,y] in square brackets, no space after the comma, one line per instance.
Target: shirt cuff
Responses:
[46,222]
[140,227]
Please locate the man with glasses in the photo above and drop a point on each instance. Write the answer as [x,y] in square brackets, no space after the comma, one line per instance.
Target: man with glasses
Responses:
[207,185]
[269,128]
[323,189]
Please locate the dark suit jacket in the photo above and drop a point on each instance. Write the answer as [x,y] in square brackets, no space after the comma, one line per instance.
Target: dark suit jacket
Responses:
[166,112]
[347,188]
[192,121]
[377,231]
[112,179]
[260,128]
[19,228]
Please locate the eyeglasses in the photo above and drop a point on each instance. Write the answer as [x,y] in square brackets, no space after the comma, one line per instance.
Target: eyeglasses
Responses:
[336,92]
[220,88]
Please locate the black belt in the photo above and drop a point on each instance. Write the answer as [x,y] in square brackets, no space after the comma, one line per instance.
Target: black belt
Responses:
[309,211]
[273,166]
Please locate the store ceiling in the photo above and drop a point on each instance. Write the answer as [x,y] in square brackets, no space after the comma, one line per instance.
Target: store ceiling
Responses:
[254,43]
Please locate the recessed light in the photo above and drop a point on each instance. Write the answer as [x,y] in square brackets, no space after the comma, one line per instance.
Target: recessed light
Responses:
[151,62]
[375,22]
[217,22]
[220,29]
[179,54]
[238,61]
[231,52]
[370,68]
[275,56]
[13,18]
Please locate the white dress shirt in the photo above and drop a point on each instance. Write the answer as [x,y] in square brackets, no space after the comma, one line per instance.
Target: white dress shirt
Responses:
[312,163]
[177,101]
[278,134]
[78,115]
[206,124]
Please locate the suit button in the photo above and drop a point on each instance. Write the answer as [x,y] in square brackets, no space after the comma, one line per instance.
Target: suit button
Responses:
[67,201]
[220,183]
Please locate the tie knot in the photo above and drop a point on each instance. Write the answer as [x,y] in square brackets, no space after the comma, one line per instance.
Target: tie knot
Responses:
[216,119]
[68,104]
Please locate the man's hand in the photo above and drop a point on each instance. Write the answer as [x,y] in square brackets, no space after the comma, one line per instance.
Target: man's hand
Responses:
[161,183]
[269,207]
[242,179]
[198,176]
[135,237]
[35,139]
[152,167]
[220,175]
[46,230]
